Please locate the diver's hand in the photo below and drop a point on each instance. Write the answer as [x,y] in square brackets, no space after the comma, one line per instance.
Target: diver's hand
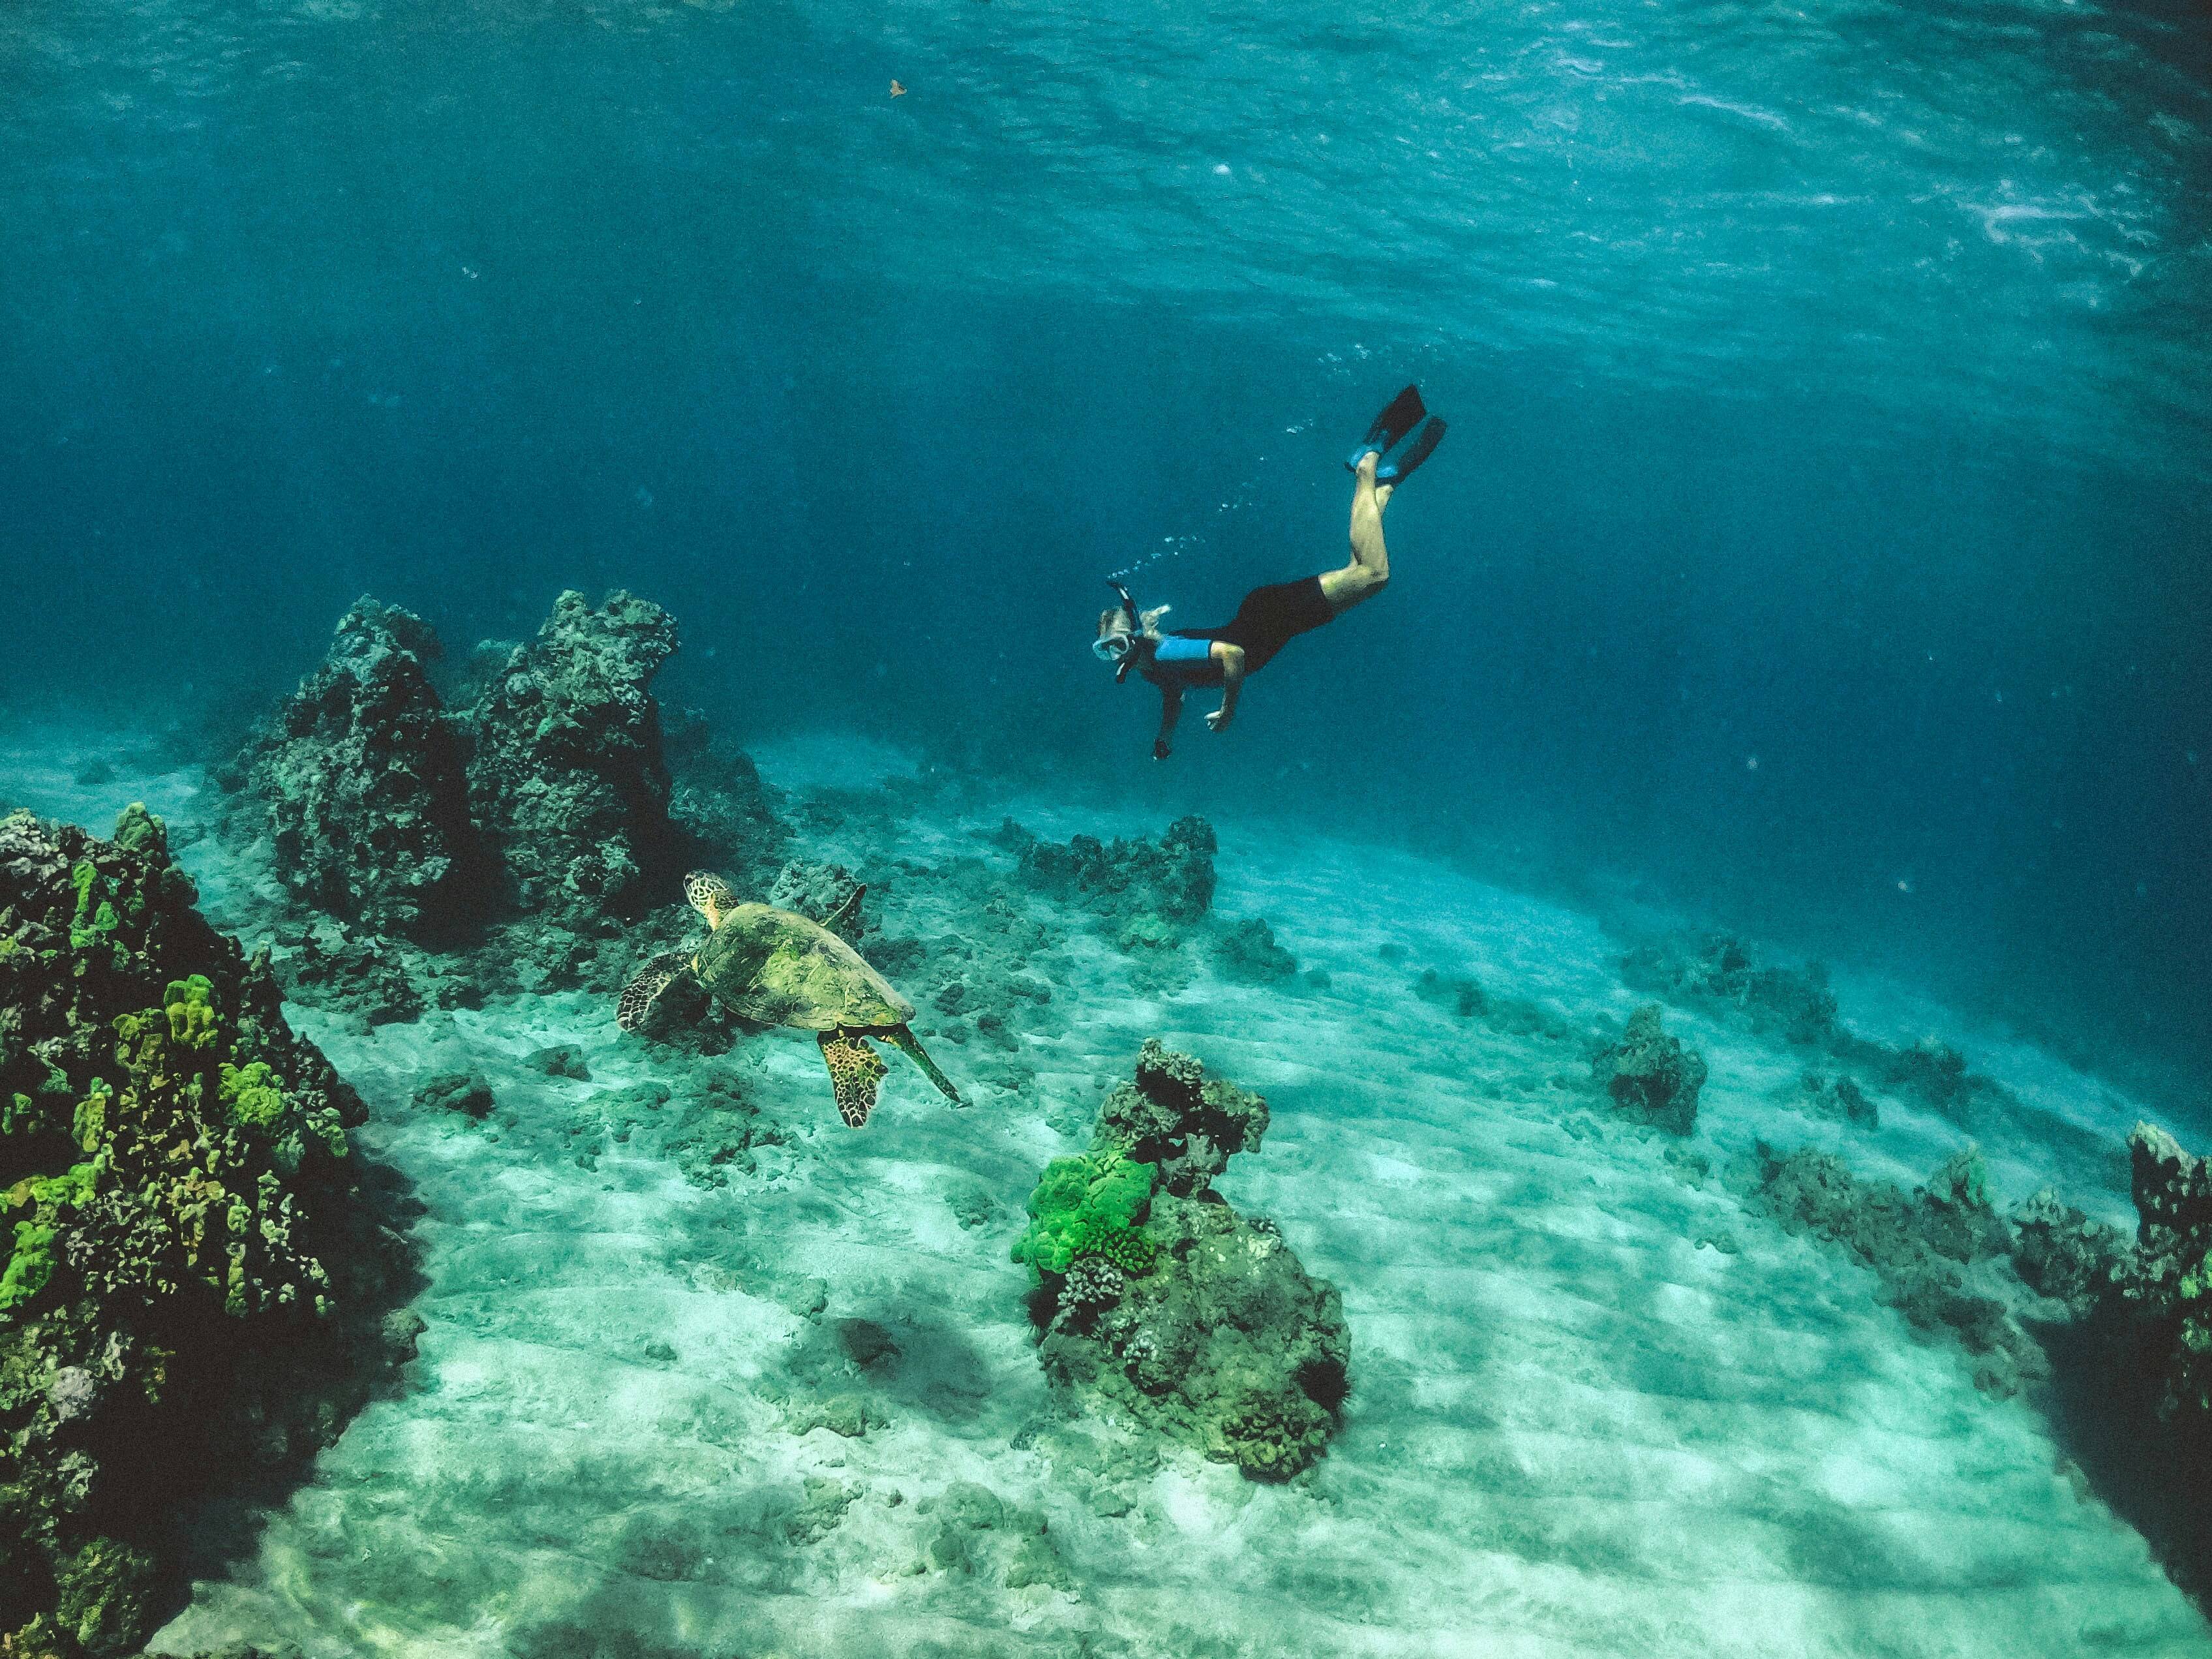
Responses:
[1160,751]
[1217,720]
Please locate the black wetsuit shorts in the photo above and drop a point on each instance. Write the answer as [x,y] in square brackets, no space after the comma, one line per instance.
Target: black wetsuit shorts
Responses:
[1269,619]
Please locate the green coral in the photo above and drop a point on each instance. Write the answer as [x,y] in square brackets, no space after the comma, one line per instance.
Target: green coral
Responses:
[1089,1205]
[137,830]
[253,1094]
[189,1005]
[89,1125]
[95,921]
[31,1264]
[30,1268]
[106,1595]
[1130,1249]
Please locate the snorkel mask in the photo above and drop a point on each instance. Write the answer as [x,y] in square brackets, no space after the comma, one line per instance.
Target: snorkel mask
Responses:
[1120,649]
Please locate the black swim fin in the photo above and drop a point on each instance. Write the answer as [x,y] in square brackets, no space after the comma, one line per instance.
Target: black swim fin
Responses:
[1404,414]
[1396,469]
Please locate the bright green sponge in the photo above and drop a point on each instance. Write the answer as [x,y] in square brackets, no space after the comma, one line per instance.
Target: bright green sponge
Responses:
[1089,1205]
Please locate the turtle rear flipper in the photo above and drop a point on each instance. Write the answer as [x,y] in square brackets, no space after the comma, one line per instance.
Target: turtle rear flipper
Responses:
[649,981]
[854,1071]
[905,1040]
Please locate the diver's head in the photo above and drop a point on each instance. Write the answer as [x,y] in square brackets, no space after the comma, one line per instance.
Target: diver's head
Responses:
[1117,634]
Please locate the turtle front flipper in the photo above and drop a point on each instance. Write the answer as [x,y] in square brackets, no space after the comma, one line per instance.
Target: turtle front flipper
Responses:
[656,976]
[848,910]
[854,1071]
[905,1041]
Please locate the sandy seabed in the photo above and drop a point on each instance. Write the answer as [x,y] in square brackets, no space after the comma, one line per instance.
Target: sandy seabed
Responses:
[1599,1407]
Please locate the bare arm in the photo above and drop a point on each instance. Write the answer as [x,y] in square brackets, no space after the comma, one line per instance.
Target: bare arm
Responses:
[1232,658]
[1171,712]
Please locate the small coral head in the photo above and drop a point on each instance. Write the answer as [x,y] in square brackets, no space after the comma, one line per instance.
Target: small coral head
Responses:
[709,894]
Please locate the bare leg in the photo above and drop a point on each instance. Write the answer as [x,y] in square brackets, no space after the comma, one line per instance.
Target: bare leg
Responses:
[1369,571]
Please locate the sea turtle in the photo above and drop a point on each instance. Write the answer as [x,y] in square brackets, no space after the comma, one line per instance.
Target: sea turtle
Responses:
[776,968]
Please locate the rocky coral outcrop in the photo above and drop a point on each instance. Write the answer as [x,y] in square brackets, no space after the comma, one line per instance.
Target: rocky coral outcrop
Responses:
[2060,1254]
[1157,1295]
[1247,953]
[1168,881]
[2168,1280]
[1939,1252]
[1718,972]
[1723,978]
[196,1281]
[1651,1076]
[567,777]
[359,779]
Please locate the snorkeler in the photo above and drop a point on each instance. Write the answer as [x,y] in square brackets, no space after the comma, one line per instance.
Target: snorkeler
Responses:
[1270,616]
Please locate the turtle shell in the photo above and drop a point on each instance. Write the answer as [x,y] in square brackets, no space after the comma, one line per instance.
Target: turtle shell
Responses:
[776,968]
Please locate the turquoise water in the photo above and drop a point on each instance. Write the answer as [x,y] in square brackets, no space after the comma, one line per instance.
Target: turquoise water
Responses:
[1828,386]
[1821,551]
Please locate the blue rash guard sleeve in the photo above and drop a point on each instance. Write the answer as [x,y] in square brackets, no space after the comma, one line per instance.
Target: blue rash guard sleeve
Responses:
[1189,662]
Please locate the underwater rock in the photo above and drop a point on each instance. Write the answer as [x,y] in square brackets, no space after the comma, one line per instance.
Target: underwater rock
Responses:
[198,1283]
[1160,1297]
[1650,1075]
[1838,1098]
[566,780]
[360,776]
[1721,976]
[719,802]
[1171,879]
[564,1060]
[974,1531]
[2168,1280]
[2060,1253]
[378,979]
[1184,1124]
[468,1093]
[816,890]
[1923,1248]
[1720,973]
[1246,952]
[1459,994]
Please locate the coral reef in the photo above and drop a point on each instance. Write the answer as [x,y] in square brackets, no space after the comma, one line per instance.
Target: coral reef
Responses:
[2060,1253]
[1463,997]
[197,1281]
[1160,1297]
[1651,1076]
[567,777]
[360,776]
[1838,1096]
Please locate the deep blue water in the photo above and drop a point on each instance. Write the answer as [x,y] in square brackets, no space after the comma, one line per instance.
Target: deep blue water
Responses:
[1827,389]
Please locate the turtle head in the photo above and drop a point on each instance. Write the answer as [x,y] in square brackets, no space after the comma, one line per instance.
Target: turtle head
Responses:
[709,894]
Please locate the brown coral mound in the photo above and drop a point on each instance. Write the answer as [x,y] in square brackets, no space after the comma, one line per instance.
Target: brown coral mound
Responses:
[360,776]
[567,778]
[1650,1075]
[196,1281]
